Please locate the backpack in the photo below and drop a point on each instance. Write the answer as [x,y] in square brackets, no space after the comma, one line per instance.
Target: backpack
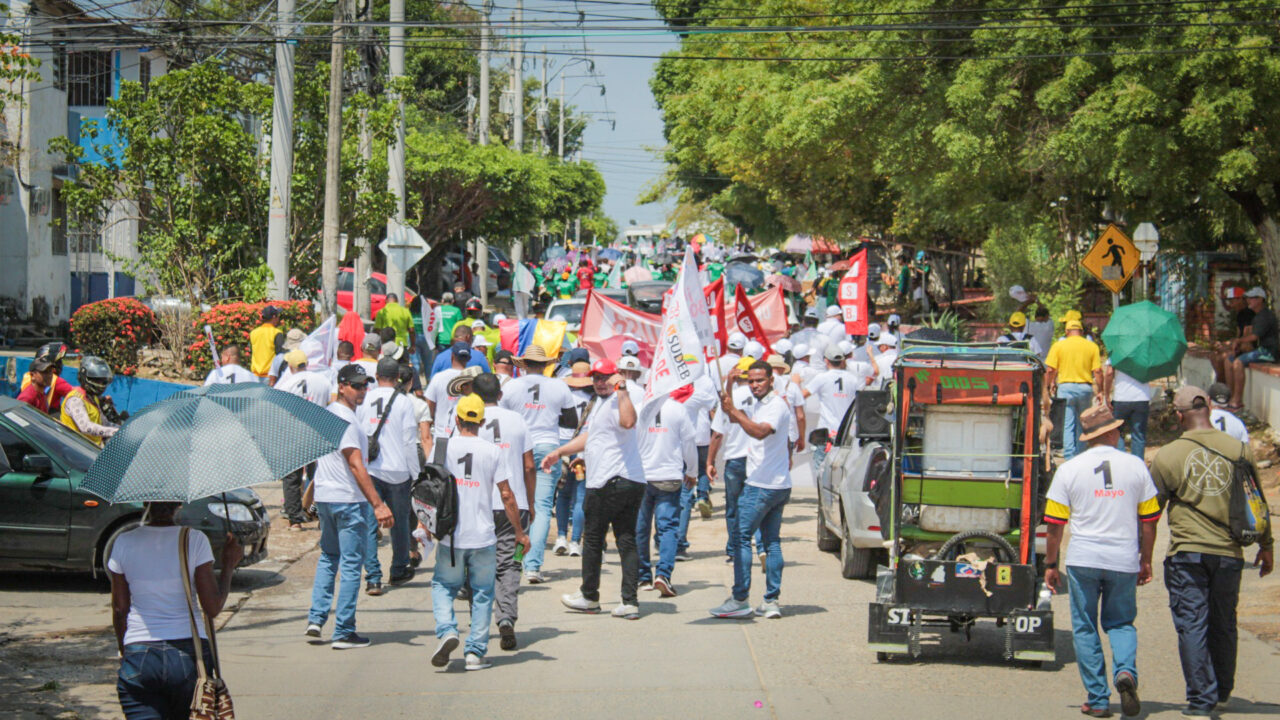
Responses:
[1248,516]
[435,500]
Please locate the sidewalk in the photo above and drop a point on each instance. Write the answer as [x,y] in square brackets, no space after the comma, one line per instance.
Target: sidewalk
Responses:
[677,661]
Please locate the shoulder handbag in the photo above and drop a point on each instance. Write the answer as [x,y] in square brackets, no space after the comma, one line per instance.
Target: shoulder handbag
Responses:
[374,448]
[212,700]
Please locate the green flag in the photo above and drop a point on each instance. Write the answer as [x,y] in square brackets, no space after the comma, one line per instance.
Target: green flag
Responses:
[615,276]
[810,269]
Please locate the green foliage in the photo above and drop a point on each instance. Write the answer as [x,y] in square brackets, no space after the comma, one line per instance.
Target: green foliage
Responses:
[114,330]
[231,324]
[951,323]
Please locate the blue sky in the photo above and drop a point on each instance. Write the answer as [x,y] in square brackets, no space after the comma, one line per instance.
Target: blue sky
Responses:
[622,152]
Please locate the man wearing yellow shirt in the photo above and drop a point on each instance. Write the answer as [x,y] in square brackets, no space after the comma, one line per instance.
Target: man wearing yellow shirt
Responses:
[266,341]
[1075,369]
[397,317]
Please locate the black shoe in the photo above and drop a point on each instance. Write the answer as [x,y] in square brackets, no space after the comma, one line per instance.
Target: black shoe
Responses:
[508,633]
[349,642]
[403,578]
[415,559]
[374,589]
[1127,686]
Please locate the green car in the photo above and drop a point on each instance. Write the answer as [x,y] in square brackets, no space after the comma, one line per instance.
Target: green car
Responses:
[47,522]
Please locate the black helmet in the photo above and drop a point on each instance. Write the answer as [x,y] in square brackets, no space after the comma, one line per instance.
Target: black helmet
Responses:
[53,352]
[95,375]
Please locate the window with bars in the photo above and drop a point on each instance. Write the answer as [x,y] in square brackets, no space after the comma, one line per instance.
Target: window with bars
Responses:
[144,72]
[88,77]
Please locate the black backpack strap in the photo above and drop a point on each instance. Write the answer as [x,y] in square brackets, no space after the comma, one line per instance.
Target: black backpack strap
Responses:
[385,414]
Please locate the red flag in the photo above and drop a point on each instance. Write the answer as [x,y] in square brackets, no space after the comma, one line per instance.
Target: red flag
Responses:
[853,295]
[746,318]
[715,298]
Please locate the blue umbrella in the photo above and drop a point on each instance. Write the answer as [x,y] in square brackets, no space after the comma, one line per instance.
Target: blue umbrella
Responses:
[210,440]
[610,254]
[740,273]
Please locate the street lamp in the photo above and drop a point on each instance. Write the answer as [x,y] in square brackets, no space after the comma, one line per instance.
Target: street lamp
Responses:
[1147,240]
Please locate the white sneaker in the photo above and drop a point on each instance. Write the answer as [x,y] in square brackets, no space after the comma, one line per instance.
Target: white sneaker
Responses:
[475,662]
[769,610]
[562,546]
[313,633]
[447,645]
[732,609]
[579,603]
[627,612]
[575,549]
[646,586]
[534,577]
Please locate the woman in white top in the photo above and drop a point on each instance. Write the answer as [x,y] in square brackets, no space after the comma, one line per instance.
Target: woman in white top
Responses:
[150,614]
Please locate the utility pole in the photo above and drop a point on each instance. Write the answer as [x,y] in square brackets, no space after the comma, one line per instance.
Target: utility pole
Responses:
[361,302]
[517,72]
[543,115]
[482,130]
[332,175]
[395,149]
[278,237]
[560,132]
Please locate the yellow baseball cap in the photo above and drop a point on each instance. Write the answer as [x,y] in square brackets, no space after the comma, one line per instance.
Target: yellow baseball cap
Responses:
[743,364]
[1071,315]
[471,408]
[1075,325]
[1017,320]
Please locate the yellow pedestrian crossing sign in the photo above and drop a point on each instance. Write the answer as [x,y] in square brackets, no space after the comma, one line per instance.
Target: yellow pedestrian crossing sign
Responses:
[1113,259]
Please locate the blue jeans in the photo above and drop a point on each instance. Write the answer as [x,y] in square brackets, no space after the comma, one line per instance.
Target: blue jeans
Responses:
[1203,592]
[543,499]
[569,507]
[659,511]
[479,566]
[397,497]
[759,509]
[1259,355]
[372,566]
[690,496]
[158,678]
[344,532]
[735,478]
[1077,397]
[1116,591]
[1134,415]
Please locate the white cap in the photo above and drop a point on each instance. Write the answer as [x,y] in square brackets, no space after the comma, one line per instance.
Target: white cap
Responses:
[499,318]
[479,325]
[481,341]
[888,339]
[754,349]
[630,347]
[894,320]
[629,362]
[873,331]
[833,353]
[846,347]
[782,347]
[800,350]
[1017,292]
[1256,292]
[833,310]
[737,341]
[811,312]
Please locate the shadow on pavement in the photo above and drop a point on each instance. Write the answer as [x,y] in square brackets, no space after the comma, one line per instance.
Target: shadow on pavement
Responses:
[68,582]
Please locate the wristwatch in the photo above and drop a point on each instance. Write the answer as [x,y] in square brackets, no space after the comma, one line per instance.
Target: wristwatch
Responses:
[1050,565]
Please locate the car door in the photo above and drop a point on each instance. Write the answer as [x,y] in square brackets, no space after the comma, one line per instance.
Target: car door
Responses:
[35,504]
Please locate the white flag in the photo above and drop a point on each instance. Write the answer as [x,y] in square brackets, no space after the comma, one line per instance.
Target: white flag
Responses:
[321,346]
[678,359]
[614,280]
[523,281]
[689,286]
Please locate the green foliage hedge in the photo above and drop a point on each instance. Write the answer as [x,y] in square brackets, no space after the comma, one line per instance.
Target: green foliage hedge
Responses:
[232,323]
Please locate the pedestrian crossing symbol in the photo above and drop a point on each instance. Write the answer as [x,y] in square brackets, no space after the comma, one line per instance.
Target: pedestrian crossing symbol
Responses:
[1113,259]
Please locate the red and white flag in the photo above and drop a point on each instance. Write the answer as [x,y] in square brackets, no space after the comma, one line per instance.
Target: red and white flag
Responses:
[853,295]
[747,321]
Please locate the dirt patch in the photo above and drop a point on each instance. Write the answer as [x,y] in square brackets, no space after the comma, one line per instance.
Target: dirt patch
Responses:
[67,675]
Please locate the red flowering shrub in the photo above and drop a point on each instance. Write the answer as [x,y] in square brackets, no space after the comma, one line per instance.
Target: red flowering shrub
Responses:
[114,330]
[232,323]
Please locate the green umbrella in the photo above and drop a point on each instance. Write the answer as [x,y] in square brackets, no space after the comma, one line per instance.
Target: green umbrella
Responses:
[1145,341]
[210,440]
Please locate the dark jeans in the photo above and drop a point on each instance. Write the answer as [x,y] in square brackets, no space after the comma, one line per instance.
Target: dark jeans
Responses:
[507,575]
[397,497]
[157,679]
[617,504]
[1203,591]
[425,356]
[293,496]
[1134,415]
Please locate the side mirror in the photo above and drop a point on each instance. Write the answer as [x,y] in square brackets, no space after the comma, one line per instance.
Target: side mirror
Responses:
[39,465]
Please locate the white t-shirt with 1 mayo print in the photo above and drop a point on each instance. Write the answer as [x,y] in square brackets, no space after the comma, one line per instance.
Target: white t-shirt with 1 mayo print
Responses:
[1229,424]
[1103,493]
[438,392]
[835,390]
[539,400]
[477,467]
[612,450]
[308,384]
[147,557]
[768,460]
[397,456]
[333,479]
[506,430]
[667,449]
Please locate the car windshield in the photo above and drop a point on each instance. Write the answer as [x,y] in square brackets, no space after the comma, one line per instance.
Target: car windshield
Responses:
[650,292]
[568,312]
[57,439]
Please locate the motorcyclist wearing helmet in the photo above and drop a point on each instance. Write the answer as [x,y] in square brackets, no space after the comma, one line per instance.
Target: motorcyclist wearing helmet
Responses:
[82,410]
[57,389]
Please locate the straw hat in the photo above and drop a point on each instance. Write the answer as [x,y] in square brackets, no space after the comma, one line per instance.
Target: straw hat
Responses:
[776,361]
[464,378]
[1097,421]
[535,353]
[580,377]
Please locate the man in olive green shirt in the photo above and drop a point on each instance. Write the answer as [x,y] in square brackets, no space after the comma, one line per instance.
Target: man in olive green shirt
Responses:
[398,318]
[1203,568]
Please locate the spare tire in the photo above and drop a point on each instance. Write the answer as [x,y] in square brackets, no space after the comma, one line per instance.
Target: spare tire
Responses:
[955,542]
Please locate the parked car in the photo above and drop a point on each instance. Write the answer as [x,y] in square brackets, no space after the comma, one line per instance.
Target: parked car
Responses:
[611,293]
[647,296]
[499,269]
[377,290]
[47,522]
[569,311]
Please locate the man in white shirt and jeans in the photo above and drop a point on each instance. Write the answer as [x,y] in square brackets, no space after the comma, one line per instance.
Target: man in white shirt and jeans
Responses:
[615,486]
[1131,404]
[342,490]
[768,488]
[395,466]
[1104,494]
[735,443]
[469,555]
[670,458]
